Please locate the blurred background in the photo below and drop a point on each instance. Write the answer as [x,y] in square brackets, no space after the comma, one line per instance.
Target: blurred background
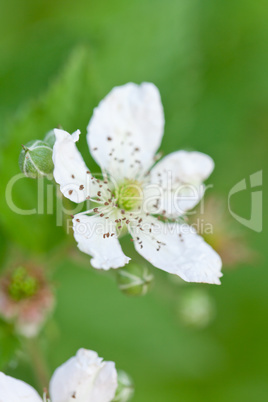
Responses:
[209,59]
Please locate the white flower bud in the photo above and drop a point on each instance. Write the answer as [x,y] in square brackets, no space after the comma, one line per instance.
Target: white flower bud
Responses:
[13,390]
[134,279]
[50,138]
[83,378]
[125,389]
[35,159]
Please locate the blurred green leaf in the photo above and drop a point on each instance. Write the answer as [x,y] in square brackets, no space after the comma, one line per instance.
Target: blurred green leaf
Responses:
[9,343]
[3,247]
[67,103]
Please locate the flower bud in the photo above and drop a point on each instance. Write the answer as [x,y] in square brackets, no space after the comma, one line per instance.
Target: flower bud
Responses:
[50,138]
[196,308]
[26,299]
[84,377]
[35,159]
[134,279]
[125,389]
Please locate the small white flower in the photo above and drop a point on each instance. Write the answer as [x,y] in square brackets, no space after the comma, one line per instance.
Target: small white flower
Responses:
[123,137]
[83,378]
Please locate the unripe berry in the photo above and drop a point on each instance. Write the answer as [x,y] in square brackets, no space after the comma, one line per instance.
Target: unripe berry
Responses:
[26,299]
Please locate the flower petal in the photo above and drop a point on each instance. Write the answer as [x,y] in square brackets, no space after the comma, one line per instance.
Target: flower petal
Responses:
[83,378]
[178,250]
[13,390]
[105,384]
[70,170]
[187,167]
[97,237]
[126,129]
[176,182]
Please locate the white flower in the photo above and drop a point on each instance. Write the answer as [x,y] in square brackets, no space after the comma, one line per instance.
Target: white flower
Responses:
[13,390]
[83,378]
[123,136]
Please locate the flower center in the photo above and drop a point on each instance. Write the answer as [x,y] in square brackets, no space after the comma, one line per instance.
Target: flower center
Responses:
[22,285]
[129,195]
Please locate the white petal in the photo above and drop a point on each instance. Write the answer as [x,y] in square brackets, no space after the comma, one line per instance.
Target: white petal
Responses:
[84,378]
[13,390]
[105,384]
[177,182]
[187,167]
[126,129]
[90,232]
[70,170]
[178,250]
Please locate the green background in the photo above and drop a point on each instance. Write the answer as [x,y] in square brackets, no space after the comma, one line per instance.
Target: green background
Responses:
[210,62]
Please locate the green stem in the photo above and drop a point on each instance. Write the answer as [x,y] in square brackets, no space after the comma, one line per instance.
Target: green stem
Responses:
[38,362]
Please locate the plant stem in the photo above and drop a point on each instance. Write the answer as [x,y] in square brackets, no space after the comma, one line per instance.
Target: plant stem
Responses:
[38,362]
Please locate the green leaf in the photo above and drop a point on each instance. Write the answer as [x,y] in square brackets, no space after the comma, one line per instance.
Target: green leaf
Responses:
[69,103]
